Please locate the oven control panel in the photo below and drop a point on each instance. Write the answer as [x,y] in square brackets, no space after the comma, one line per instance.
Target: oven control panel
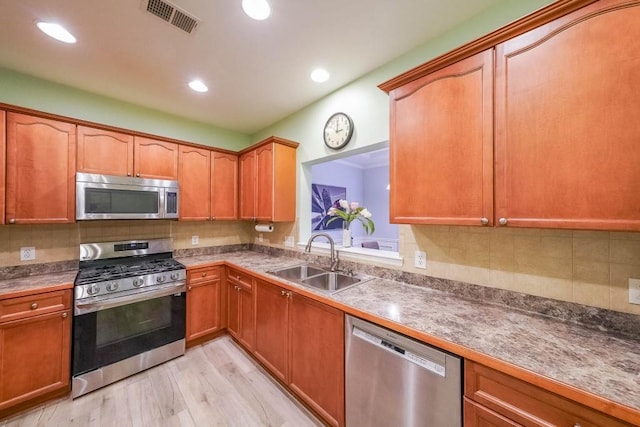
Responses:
[148,281]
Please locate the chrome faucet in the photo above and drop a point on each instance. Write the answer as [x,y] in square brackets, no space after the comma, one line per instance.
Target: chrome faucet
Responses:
[335,257]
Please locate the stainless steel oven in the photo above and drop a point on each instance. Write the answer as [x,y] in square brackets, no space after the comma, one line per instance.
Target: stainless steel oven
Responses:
[121,197]
[129,311]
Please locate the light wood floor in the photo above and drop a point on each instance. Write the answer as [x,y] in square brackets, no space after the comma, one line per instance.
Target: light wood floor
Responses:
[214,384]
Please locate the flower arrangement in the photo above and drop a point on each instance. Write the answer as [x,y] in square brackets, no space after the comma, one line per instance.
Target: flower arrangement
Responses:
[350,212]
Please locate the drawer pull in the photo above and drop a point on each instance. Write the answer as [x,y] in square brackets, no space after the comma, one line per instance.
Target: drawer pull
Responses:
[34,306]
[283,293]
[64,315]
[577,425]
[189,288]
[204,274]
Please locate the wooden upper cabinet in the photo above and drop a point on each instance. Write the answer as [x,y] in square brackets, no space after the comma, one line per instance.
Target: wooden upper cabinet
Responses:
[247,175]
[3,150]
[441,146]
[195,183]
[155,159]
[264,182]
[224,186]
[567,128]
[104,152]
[268,181]
[41,167]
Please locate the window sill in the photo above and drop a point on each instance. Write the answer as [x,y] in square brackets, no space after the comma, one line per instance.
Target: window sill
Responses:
[353,253]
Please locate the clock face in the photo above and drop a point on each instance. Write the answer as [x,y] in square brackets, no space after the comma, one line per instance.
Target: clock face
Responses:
[338,131]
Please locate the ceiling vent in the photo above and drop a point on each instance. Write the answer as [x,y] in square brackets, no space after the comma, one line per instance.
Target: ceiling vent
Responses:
[171,14]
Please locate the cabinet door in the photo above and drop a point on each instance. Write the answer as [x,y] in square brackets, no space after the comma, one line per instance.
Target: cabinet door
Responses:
[441,139]
[233,309]
[3,149]
[316,356]
[195,183]
[34,357]
[155,159]
[247,331]
[41,167]
[264,182]
[284,183]
[224,186]
[203,309]
[567,127]
[104,152]
[248,185]
[271,327]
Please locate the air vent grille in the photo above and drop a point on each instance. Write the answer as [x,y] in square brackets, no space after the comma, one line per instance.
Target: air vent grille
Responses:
[171,14]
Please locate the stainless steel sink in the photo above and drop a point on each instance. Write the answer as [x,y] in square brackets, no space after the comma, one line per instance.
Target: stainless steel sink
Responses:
[320,278]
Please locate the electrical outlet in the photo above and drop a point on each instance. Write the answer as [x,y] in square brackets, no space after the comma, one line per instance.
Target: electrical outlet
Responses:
[421,259]
[634,291]
[288,242]
[195,240]
[27,253]
[260,238]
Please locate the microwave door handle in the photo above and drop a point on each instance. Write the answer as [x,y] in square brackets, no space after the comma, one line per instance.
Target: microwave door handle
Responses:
[162,201]
[82,308]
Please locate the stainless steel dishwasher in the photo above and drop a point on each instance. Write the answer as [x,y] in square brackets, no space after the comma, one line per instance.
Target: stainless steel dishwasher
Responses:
[393,380]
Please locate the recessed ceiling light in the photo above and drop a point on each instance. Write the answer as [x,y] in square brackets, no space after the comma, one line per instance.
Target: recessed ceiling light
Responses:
[256,9]
[198,86]
[56,31]
[319,75]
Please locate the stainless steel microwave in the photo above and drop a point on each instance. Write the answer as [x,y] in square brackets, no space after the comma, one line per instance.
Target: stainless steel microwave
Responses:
[121,197]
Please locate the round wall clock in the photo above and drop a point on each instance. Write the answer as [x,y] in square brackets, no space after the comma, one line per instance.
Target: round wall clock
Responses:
[338,131]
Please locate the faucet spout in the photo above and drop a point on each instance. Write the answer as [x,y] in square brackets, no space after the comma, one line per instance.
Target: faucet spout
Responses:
[335,257]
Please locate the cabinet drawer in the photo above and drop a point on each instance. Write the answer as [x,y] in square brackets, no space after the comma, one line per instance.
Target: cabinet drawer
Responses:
[203,274]
[241,279]
[527,404]
[34,305]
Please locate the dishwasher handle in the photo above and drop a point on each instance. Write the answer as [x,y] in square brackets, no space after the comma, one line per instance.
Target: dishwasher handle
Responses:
[430,365]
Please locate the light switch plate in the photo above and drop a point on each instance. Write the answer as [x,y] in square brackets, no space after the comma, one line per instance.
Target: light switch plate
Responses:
[634,291]
[195,240]
[27,253]
[421,259]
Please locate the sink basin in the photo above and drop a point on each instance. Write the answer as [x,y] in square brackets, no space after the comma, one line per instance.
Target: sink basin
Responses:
[319,278]
[298,272]
[332,281]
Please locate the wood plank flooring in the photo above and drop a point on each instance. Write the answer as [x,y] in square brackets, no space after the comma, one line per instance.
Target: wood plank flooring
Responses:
[215,384]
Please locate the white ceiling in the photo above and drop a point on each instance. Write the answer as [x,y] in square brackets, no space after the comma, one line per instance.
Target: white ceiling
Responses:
[257,71]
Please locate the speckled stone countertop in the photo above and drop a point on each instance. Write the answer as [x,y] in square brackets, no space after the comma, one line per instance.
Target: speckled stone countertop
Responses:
[598,362]
[37,283]
[593,361]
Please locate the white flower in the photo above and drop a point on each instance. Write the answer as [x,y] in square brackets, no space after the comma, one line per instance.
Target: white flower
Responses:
[331,211]
[365,213]
[354,205]
[344,204]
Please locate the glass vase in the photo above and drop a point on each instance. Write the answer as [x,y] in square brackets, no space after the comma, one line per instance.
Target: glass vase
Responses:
[346,236]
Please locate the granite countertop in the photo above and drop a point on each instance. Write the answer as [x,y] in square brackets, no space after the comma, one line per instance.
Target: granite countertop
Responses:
[597,362]
[593,361]
[37,283]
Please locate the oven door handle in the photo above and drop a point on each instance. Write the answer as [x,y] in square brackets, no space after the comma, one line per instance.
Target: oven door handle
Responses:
[89,307]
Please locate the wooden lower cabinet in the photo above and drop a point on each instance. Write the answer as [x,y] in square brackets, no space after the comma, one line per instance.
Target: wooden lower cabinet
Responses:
[301,341]
[35,349]
[240,314]
[203,303]
[493,398]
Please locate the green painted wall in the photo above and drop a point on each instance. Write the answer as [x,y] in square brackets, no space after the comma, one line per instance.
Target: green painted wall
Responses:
[31,92]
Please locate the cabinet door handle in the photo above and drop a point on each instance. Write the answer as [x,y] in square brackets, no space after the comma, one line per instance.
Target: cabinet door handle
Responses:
[64,315]
[12,221]
[283,293]
[503,221]
[128,173]
[189,288]
[484,221]
[577,425]
[34,306]
[204,274]
[138,175]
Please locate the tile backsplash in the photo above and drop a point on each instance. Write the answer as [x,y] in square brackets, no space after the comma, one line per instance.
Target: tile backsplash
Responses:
[590,268]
